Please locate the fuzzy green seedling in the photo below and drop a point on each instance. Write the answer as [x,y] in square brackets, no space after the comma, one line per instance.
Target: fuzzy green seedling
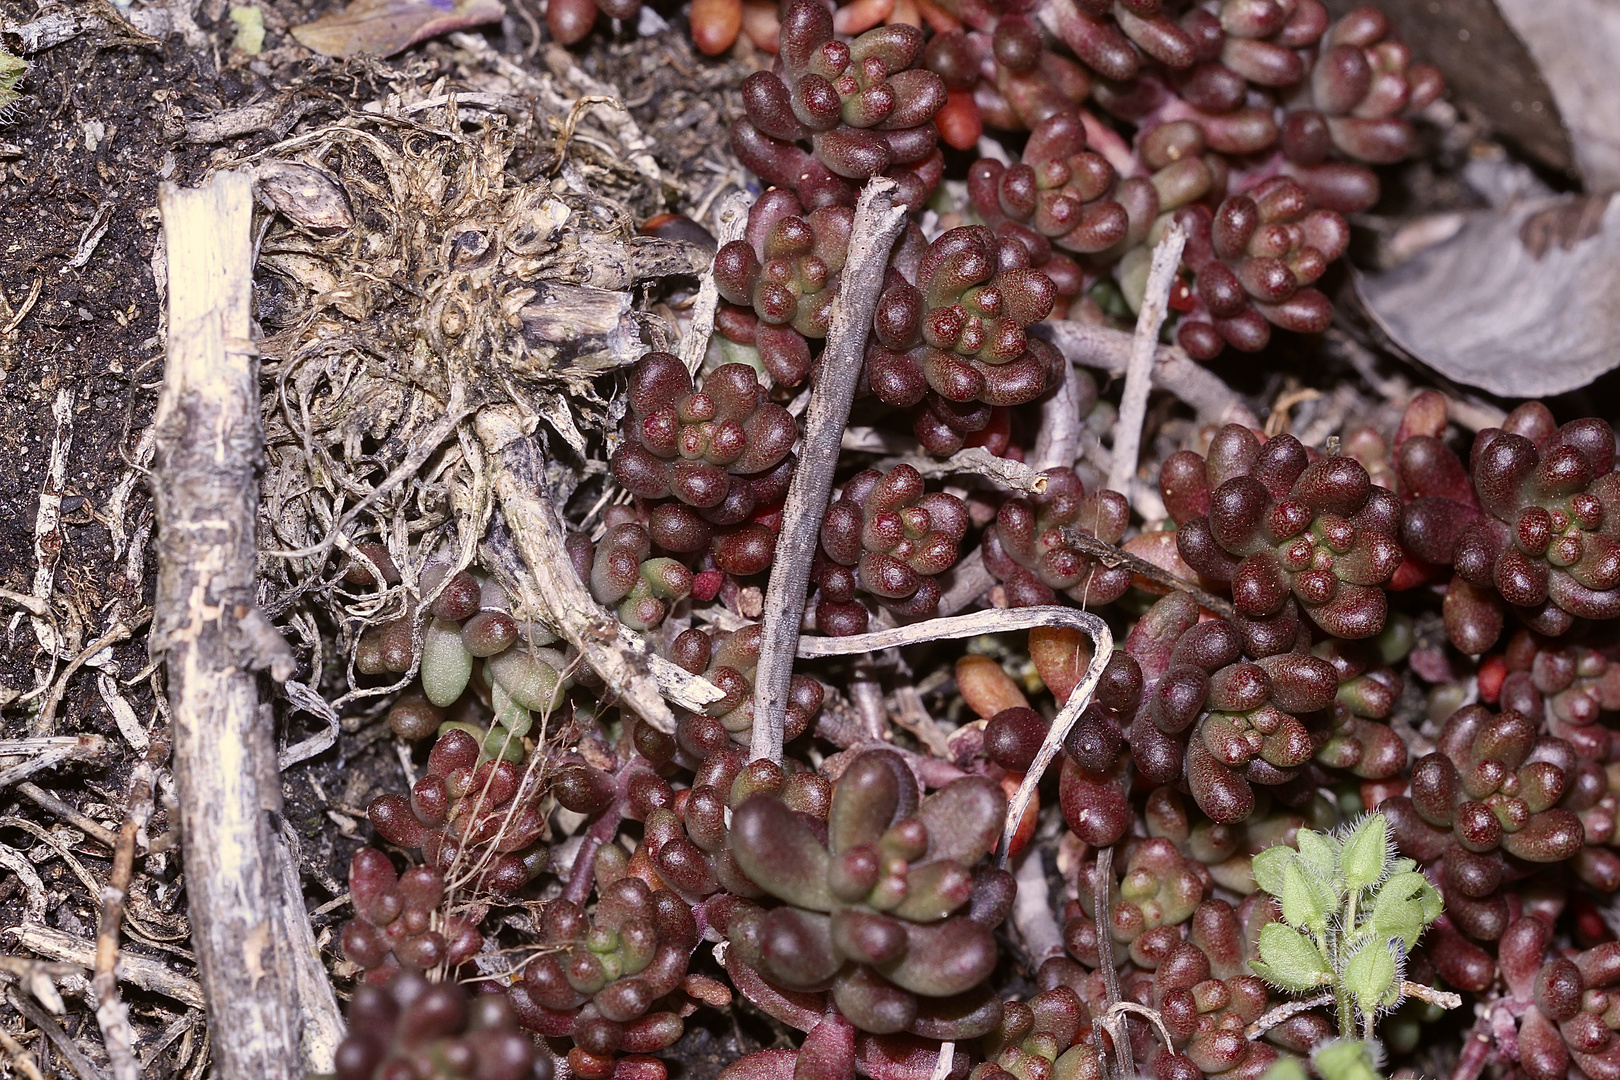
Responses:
[1336,1059]
[1351,911]
[12,69]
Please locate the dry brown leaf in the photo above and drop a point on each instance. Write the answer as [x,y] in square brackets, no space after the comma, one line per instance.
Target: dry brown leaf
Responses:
[384,27]
[1522,303]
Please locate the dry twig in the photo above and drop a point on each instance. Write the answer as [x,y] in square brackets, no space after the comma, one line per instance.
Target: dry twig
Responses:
[1144,346]
[733,219]
[877,222]
[1174,371]
[205,485]
[1111,556]
[111,1012]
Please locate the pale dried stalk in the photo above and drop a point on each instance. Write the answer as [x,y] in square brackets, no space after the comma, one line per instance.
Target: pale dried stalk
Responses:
[205,485]
[1282,1012]
[1144,346]
[733,220]
[1174,372]
[111,1013]
[994,621]
[877,222]
[150,975]
[977,461]
[1058,440]
[550,586]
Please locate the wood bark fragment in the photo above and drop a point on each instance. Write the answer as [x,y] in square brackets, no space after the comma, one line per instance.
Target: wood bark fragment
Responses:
[877,222]
[205,485]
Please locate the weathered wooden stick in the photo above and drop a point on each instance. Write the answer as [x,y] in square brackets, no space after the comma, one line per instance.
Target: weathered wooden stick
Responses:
[205,484]
[878,222]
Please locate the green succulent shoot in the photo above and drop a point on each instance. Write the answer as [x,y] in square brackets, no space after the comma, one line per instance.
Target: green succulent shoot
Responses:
[1351,911]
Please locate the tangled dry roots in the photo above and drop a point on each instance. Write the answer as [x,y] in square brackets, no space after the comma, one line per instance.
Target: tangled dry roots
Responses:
[426,263]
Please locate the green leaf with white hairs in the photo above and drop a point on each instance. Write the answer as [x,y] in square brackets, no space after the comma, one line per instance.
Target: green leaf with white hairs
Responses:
[1405,905]
[1365,853]
[1370,976]
[1345,1059]
[1267,867]
[1318,853]
[1302,905]
[1290,960]
[1285,1068]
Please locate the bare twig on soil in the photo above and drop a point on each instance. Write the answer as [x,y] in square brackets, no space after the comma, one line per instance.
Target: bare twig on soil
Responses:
[733,220]
[1144,346]
[965,582]
[85,824]
[21,1059]
[45,722]
[1032,912]
[877,222]
[1173,370]
[151,975]
[320,1019]
[1111,556]
[41,754]
[111,1013]
[205,485]
[60,1039]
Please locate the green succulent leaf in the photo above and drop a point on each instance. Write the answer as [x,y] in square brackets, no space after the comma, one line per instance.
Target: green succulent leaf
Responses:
[1365,854]
[1285,1068]
[1370,976]
[1290,960]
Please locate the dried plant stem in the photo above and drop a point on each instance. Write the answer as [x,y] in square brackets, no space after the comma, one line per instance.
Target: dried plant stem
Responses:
[977,461]
[1443,998]
[965,582]
[1144,346]
[1111,556]
[111,1013]
[1101,887]
[205,625]
[877,223]
[60,1039]
[994,621]
[550,586]
[41,754]
[1107,349]
[21,1059]
[1032,912]
[732,218]
[1282,1012]
[1058,441]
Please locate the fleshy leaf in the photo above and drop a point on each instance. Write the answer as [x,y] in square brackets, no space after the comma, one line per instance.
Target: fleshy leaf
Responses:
[1370,975]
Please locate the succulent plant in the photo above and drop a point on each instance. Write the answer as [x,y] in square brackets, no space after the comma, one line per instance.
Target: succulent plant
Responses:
[623,576]
[435,1031]
[728,659]
[609,980]
[865,108]
[721,452]
[1488,802]
[1368,691]
[1160,889]
[1044,1036]
[954,342]
[873,912]
[1061,192]
[1563,1004]
[785,272]
[395,926]
[1253,261]
[1272,522]
[475,817]
[884,536]
[1027,548]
